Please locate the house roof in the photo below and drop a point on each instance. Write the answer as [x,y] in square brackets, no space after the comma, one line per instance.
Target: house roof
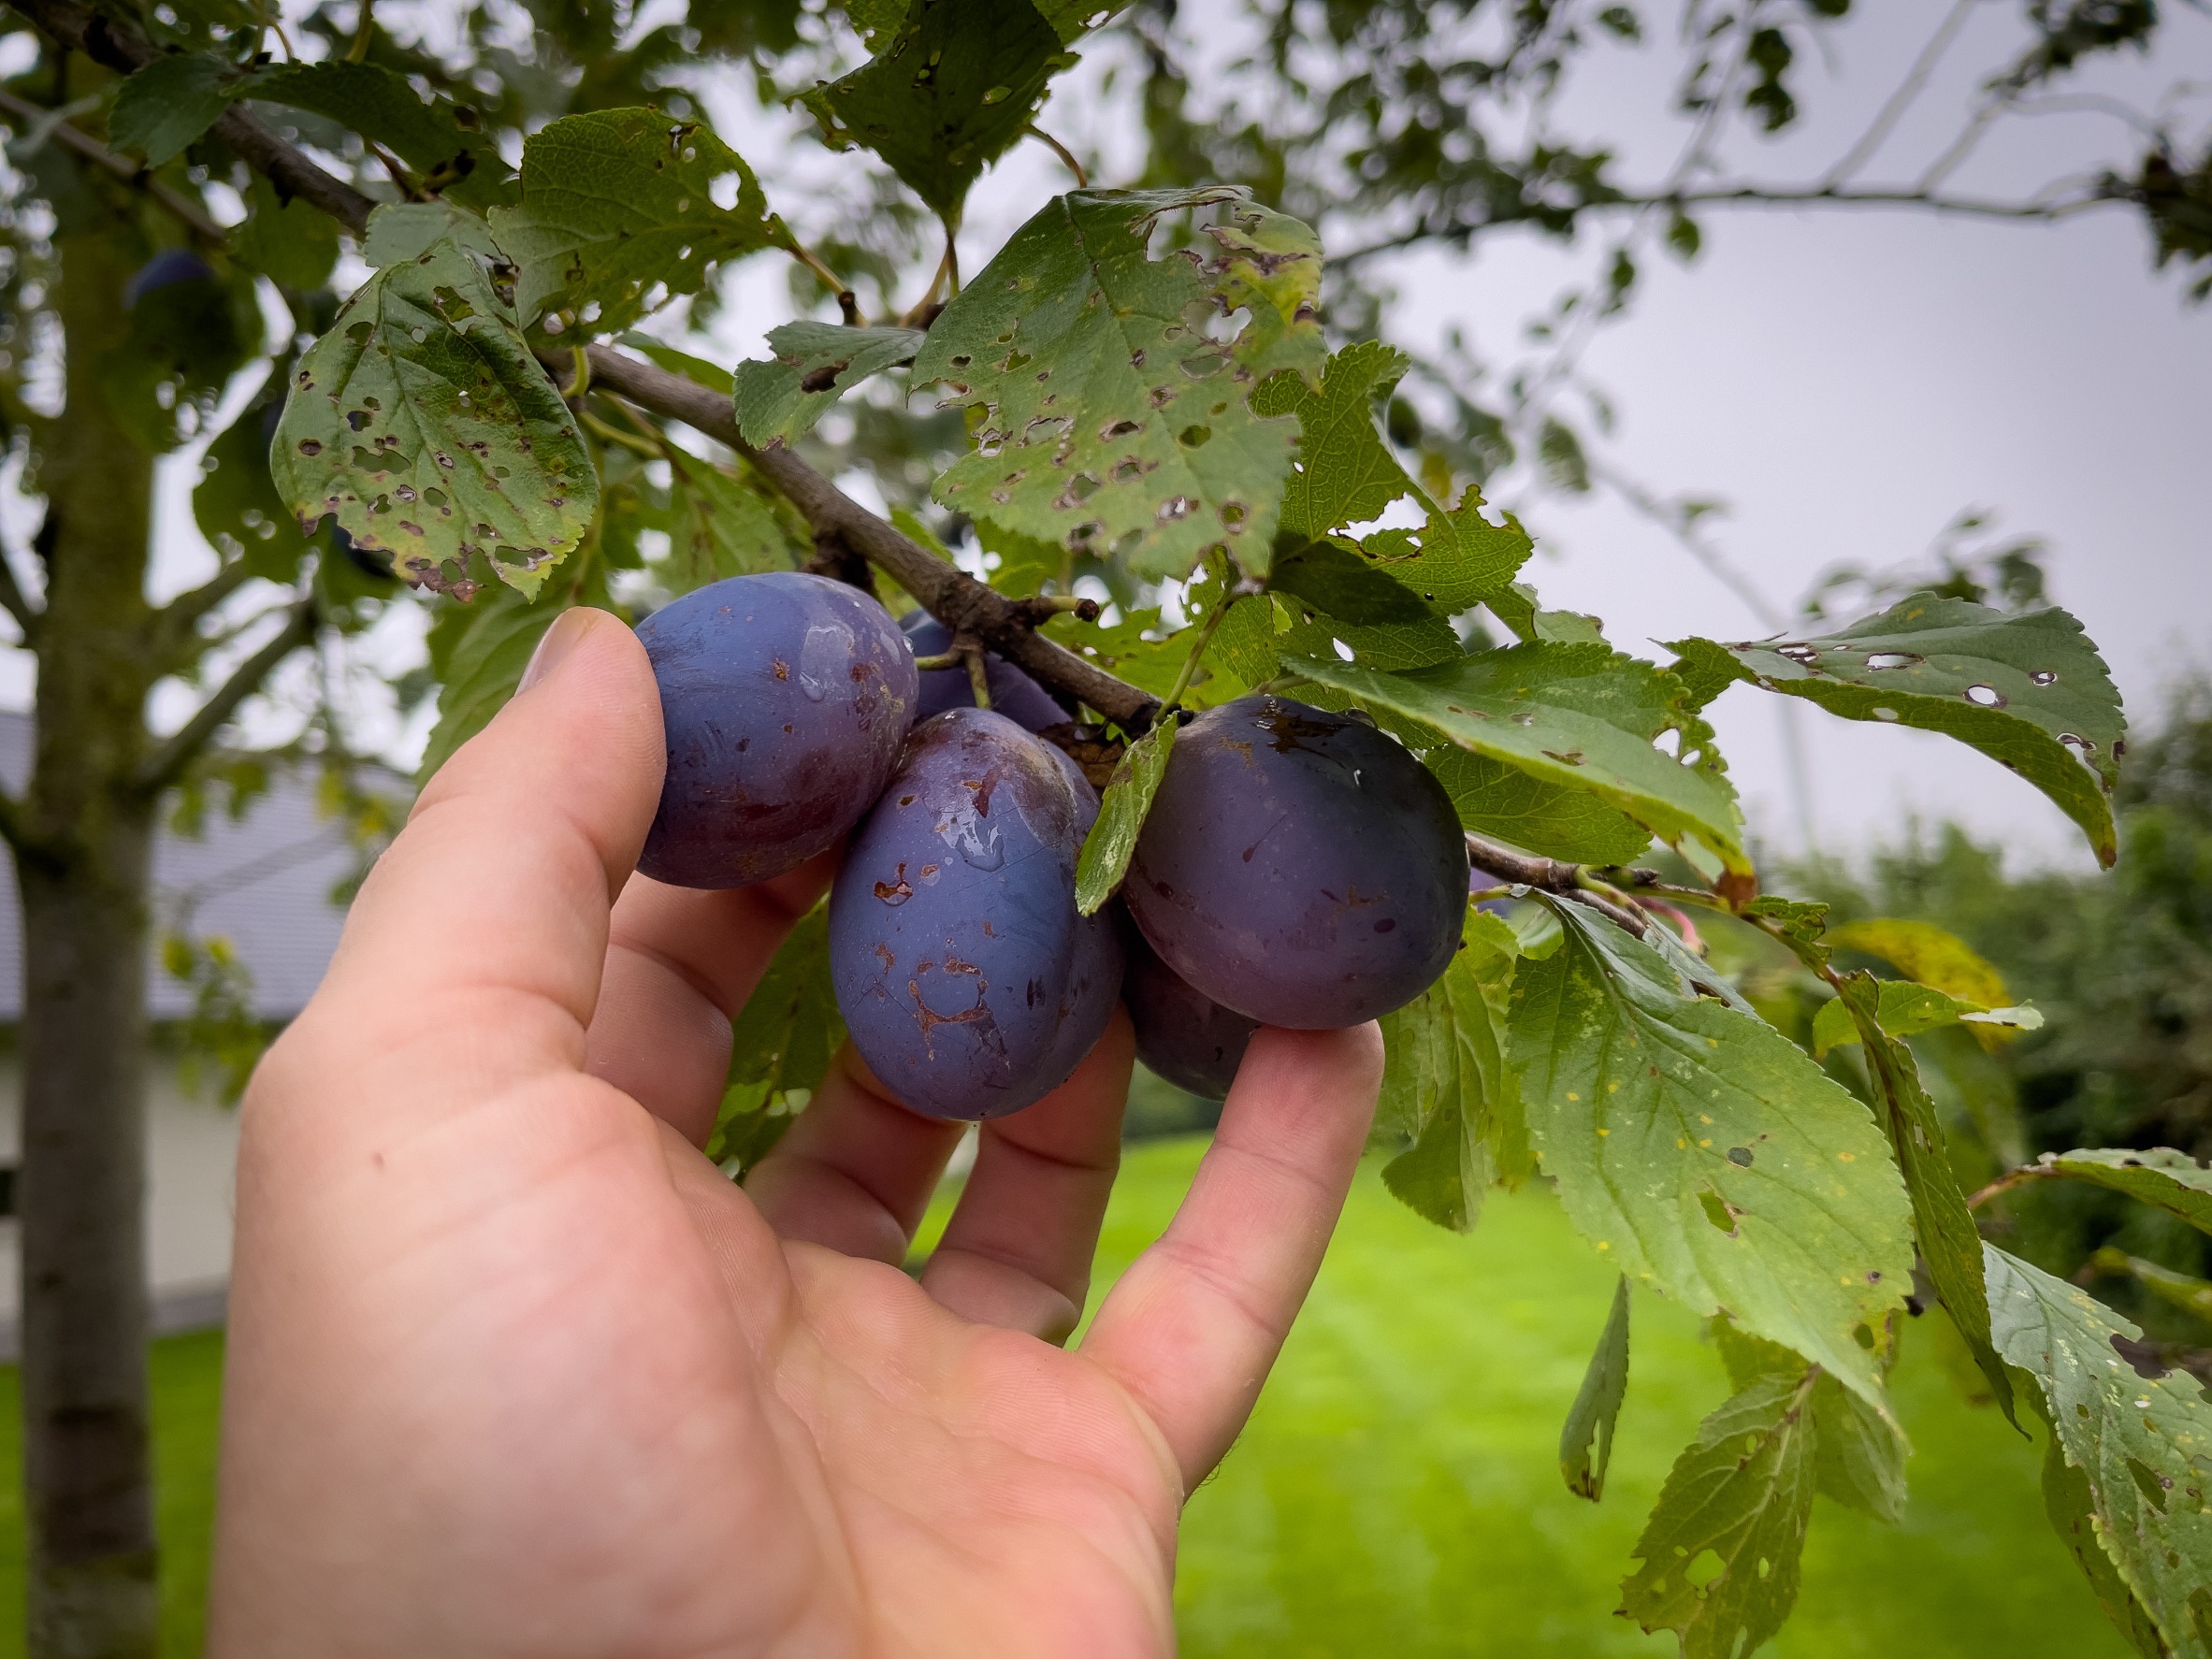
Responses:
[263,880]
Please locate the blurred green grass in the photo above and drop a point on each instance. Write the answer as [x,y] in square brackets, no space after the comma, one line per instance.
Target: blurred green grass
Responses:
[1397,1490]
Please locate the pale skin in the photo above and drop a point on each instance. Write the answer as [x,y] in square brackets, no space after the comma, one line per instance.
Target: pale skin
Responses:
[515,1370]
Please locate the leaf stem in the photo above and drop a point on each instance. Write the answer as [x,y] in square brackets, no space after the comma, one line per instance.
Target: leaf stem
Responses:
[1206,632]
[644,446]
[2008,1181]
[363,29]
[1065,154]
[581,382]
[848,302]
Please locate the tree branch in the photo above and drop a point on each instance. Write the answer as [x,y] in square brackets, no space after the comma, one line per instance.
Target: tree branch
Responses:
[110,43]
[956,600]
[168,763]
[1549,875]
[179,621]
[185,211]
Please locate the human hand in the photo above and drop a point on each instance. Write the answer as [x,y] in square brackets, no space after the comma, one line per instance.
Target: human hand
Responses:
[513,1369]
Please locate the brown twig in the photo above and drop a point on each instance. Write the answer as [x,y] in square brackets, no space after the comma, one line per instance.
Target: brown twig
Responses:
[2008,1181]
[1550,875]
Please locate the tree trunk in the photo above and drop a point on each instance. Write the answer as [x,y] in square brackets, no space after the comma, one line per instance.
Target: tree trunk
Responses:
[84,869]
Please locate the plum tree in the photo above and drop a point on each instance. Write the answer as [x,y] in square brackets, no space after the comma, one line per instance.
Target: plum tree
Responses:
[970,985]
[1013,693]
[785,697]
[1299,867]
[1182,1033]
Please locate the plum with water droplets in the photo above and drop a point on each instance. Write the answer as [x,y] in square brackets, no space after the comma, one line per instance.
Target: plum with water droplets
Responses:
[785,698]
[967,980]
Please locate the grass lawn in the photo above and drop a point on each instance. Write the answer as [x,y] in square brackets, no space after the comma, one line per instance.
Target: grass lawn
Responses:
[1398,1490]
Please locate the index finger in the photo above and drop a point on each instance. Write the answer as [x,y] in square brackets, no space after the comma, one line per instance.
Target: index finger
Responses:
[1193,1327]
[477,941]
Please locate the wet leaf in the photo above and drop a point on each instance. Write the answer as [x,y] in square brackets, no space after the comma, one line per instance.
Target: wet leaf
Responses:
[1704,1153]
[1110,421]
[2028,690]
[423,424]
[623,208]
[1597,1405]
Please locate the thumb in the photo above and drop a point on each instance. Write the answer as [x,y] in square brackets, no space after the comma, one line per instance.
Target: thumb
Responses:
[474,951]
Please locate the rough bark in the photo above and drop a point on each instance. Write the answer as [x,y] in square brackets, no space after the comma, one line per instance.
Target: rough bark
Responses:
[84,869]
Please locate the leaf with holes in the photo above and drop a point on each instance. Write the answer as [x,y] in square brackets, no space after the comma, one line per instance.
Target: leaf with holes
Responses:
[950,92]
[168,103]
[1456,560]
[1345,474]
[624,208]
[2029,691]
[2141,1445]
[1448,1099]
[1704,1153]
[815,364]
[2160,1177]
[1534,813]
[781,1045]
[1949,1242]
[455,158]
[1720,1553]
[1110,421]
[1105,859]
[1578,717]
[1860,1463]
[1585,1443]
[423,424]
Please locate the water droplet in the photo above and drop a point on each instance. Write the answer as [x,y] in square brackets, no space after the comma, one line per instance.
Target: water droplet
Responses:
[1988,697]
[2044,676]
[822,660]
[1891,659]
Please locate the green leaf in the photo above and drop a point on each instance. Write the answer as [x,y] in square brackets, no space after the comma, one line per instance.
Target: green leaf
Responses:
[1860,1460]
[380,105]
[423,424]
[2072,1507]
[1579,716]
[235,504]
[951,92]
[1721,1550]
[622,208]
[1110,422]
[1105,859]
[1929,954]
[2141,1445]
[1334,579]
[1534,813]
[711,375]
[1908,1009]
[2028,690]
[1950,1244]
[2168,1180]
[1597,1404]
[1446,1088]
[1386,647]
[168,105]
[719,525]
[815,365]
[292,243]
[1802,923]
[1456,560]
[402,231]
[1074,18]
[479,652]
[1704,1153]
[781,1045]
[1345,473]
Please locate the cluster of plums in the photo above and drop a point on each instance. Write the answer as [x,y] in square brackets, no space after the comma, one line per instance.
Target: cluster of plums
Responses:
[1299,868]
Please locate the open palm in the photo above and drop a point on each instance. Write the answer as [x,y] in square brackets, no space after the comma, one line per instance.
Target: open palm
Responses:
[513,1369]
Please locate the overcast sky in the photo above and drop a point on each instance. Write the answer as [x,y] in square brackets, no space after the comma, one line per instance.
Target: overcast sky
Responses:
[1847,381]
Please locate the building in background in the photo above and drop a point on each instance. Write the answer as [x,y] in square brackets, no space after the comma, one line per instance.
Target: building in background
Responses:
[265,882]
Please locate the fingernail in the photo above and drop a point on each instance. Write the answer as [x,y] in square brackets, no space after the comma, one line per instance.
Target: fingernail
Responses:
[567,632]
